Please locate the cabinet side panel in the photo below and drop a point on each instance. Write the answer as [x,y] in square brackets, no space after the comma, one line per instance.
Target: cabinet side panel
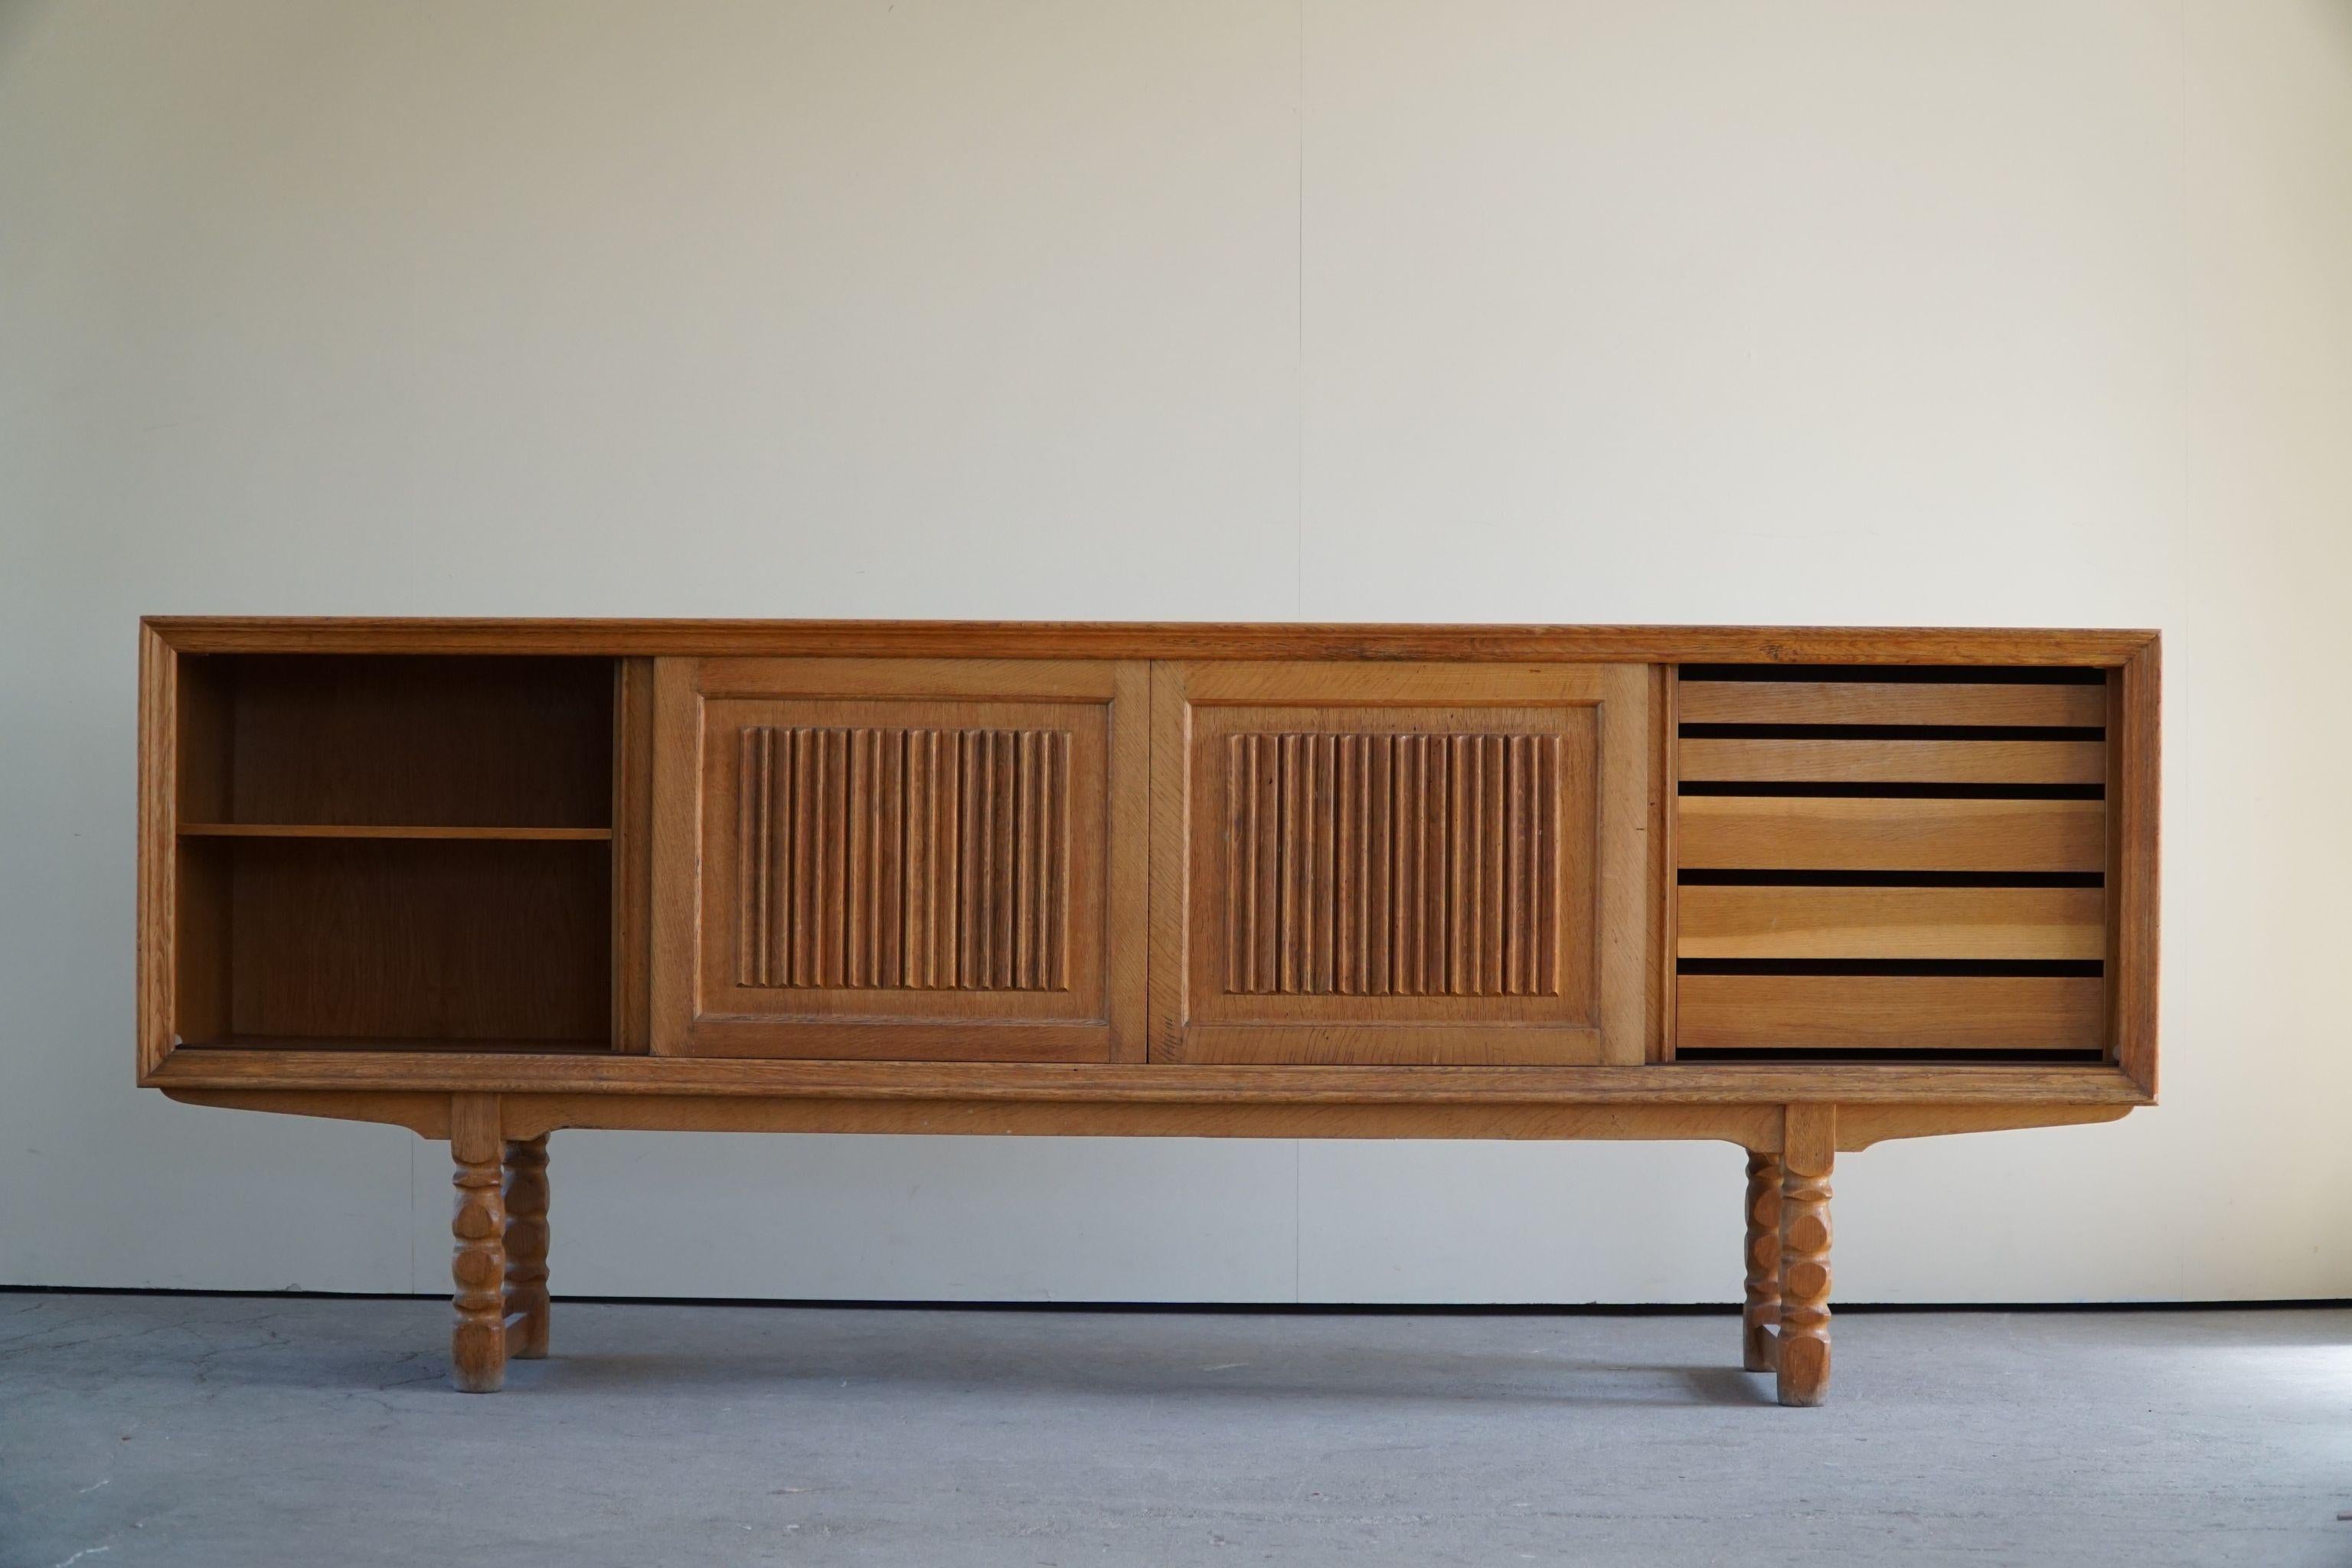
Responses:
[158,666]
[633,791]
[2135,695]
[1666,696]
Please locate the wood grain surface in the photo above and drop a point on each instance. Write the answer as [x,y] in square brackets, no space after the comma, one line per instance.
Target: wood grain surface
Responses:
[1809,922]
[899,860]
[1891,702]
[1248,878]
[1155,640]
[1807,1154]
[1802,833]
[221,727]
[1908,1012]
[1759,1317]
[1959,1083]
[477,1262]
[1754,1125]
[1894,761]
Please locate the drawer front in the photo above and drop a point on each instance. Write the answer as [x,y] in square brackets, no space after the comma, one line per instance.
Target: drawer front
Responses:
[1421,864]
[900,859]
[1896,860]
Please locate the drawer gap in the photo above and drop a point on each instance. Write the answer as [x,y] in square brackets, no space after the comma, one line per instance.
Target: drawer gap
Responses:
[1831,791]
[1709,876]
[2079,968]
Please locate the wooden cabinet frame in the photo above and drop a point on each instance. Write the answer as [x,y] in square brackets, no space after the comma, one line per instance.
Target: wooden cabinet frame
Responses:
[665,1065]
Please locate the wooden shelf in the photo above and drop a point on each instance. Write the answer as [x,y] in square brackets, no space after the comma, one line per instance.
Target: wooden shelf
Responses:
[570,1048]
[341,830]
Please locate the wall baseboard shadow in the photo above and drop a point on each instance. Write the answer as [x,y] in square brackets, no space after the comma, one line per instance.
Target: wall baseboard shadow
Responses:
[1239,1309]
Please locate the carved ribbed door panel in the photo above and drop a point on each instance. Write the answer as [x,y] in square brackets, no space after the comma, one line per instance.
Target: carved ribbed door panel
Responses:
[885,858]
[1409,863]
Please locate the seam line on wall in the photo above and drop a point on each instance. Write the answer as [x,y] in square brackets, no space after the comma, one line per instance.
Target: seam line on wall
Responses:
[1299,312]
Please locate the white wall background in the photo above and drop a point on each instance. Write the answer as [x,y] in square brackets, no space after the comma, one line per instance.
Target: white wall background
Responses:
[1791,310]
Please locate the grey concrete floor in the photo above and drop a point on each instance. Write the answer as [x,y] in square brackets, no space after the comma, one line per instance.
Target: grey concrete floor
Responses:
[196,1431]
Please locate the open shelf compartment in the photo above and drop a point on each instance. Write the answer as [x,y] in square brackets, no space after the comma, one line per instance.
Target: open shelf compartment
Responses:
[345,739]
[394,853]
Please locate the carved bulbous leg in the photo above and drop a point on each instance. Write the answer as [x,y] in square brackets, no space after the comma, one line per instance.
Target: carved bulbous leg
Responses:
[1805,1259]
[526,1246]
[1760,1320]
[477,1344]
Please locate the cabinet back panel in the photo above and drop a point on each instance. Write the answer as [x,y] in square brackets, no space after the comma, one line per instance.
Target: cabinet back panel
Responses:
[417,941]
[393,739]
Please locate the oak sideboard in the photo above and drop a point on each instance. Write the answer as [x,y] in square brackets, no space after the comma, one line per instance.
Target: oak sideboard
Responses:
[1799,889]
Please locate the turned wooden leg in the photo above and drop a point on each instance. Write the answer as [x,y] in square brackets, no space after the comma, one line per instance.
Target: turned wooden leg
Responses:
[526,1246]
[1761,1322]
[477,1344]
[1809,1151]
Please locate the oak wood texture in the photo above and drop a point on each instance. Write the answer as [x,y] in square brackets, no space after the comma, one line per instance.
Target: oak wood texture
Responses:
[1896,860]
[402,851]
[525,1198]
[168,642]
[633,855]
[1894,761]
[189,885]
[1759,1317]
[1416,863]
[361,740]
[1316,825]
[1807,1154]
[1959,1083]
[1752,1125]
[1197,640]
[393,1046]
[310,830]
[1753,832]
[2065,924]
[894,857]
[400,940]
[199,1005]
[2134,784]
[1860,1125]
[1739,1124]
[912,859]
[1892,702]
[164,990]
[477,1265]
[1666,862]
[1955,1013]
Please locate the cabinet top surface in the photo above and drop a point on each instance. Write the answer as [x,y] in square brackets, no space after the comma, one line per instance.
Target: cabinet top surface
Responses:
[1156,639]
